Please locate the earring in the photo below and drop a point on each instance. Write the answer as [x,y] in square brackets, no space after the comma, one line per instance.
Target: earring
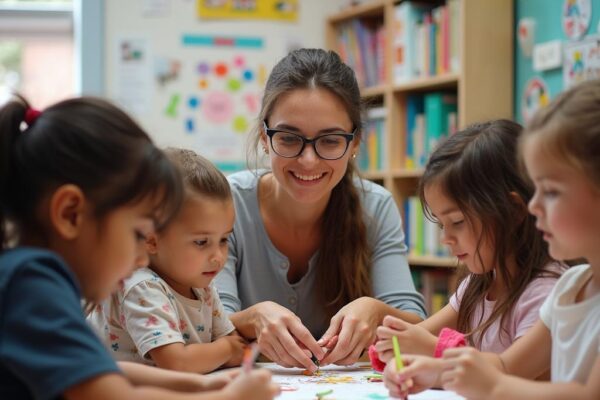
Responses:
[354,155]
[265,150]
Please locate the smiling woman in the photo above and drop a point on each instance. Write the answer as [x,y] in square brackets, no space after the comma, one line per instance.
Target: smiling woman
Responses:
[316,253]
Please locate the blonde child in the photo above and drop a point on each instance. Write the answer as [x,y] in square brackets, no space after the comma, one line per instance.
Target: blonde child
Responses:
[81,186]
[473,188]
[169,314]
[561,151]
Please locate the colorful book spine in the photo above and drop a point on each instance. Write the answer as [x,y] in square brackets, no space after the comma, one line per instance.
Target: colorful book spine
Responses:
[438,106]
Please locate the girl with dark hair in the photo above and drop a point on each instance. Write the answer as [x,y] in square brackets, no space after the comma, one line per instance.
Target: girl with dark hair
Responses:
[316,252]
[474,188]
[81,187]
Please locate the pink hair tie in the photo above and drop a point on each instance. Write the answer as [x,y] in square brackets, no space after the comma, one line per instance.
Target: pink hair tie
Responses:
[31,114]
[448,338]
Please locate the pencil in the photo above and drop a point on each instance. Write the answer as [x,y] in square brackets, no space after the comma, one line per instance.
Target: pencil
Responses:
[397,355]
[250,353]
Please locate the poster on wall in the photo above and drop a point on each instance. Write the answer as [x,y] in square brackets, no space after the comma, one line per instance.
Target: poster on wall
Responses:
[213,96]
[576,16]
[133,72]
[581,61]
[281,10]
[535,96]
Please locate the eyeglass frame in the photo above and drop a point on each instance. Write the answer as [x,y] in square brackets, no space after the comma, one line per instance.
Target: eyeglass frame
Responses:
[270,132]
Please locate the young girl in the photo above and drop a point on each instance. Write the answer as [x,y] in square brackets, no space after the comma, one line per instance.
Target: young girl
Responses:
[81,186]
[169,314]
[472,187]
[561,149]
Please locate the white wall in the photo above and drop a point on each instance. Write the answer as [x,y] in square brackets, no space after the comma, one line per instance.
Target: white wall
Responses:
[163,34]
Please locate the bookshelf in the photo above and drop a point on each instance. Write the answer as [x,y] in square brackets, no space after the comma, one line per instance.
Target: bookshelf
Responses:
[473,42]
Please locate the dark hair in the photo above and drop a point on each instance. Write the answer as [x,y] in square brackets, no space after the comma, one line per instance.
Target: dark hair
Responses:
[199,174]
[344,256]
[478,169]
[570,128]
[87,142]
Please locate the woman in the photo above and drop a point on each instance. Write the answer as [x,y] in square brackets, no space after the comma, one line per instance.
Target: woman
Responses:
[316,252]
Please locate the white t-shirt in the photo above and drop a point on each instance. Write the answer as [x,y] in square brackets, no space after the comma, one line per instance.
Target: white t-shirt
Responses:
[524,315]
[147,313]
[575,327]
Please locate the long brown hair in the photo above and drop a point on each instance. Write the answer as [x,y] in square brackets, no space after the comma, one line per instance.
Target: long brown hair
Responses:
[478,169]
[570,128]
[344,256]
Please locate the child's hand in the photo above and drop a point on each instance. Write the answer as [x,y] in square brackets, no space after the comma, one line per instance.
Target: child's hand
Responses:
[413,339]
[253,385]
[419,373]
[218,380]
[467,373]
[237,345]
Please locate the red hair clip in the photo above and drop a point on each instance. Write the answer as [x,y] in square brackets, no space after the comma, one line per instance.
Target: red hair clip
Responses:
[31,115]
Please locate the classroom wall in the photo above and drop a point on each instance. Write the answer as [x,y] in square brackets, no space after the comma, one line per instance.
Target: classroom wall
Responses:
[172,110]
[548,18]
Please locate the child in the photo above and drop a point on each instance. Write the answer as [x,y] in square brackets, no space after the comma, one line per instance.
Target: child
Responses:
[169,313]
[560,149]
[472,187]
[81,185]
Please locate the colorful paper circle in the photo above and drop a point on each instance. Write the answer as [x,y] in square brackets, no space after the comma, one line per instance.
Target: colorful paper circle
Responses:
[535,96]
[218,107]
[576,16]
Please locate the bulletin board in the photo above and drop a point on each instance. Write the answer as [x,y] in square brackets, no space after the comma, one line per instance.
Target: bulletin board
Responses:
[532,86]
[197,82]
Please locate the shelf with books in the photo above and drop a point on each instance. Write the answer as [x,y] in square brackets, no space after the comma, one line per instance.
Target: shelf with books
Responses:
[446,64]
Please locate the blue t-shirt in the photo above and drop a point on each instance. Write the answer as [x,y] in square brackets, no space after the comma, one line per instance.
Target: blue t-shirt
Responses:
[46,346]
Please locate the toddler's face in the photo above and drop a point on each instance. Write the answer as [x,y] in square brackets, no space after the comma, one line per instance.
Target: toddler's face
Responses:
[193,248]
[460,234]
[566,204]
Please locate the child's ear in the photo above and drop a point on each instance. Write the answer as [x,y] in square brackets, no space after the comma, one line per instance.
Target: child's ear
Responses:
[520,206]
[67,207]
[151,243]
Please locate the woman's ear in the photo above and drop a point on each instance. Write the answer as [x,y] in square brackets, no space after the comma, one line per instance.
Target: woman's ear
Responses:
[67,211]
[520,206]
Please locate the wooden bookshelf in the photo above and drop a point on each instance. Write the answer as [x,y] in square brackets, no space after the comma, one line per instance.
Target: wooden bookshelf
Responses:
[483,85]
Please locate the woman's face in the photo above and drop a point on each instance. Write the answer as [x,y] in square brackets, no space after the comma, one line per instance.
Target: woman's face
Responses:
[307,178]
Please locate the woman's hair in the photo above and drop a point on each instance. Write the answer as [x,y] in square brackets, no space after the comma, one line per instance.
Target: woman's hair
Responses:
[199,175]
[478,169]
[87,142]
[569,128]
[344,256]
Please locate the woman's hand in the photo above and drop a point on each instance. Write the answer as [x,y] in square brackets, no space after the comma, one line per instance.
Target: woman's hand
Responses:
[282,337]
[354,325]
[412,339]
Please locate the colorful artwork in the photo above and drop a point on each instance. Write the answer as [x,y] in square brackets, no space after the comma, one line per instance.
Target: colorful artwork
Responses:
[219,110]
[282,10]
[576,17]
[535,96]
[336,383]
[581,61]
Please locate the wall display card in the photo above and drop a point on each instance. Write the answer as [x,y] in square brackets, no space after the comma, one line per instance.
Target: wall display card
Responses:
[133,71]
[581,61]
[283,10]
[576,16]
[535,96]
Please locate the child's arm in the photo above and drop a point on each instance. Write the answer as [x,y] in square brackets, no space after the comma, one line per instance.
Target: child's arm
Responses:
[413,339]
[144,375]
[198,357]
[529,356]
[467,373]
[254,385]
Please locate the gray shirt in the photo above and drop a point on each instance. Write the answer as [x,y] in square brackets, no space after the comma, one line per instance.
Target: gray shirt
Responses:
[256,271]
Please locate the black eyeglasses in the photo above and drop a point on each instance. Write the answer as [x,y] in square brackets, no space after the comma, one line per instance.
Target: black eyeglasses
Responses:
[331,146]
